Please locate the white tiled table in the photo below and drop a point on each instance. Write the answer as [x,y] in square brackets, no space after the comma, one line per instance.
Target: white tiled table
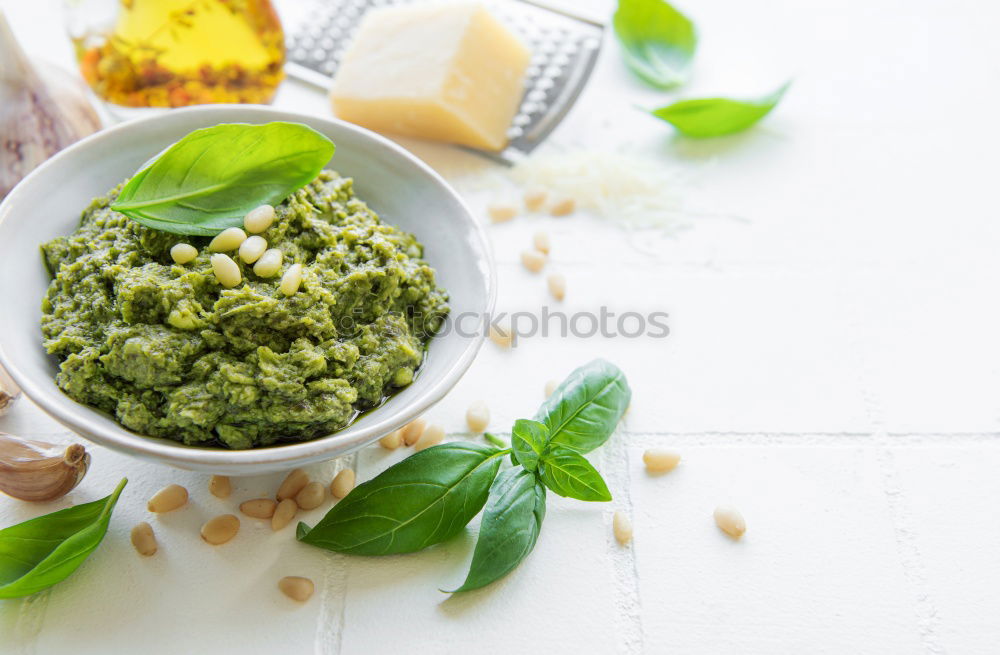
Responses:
[833,371]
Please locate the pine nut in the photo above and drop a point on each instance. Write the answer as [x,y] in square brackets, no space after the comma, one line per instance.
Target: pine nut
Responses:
[220,529]
[534,198]
[144,540]
[311,496]
[622,528]
[252,249]
[291,280]
[730,521]
[432,436]
[283,514]
[226,271]
[293,484]
[478,416]
[562,207]
[269,263]
[550,386]
[229,239]
[342,483]
[168,499]
[219,486]
[183,253]
[392,441]
[502,335]
[258,508]
[259,219]
[533,260]
[501,212]
[413,430]
[660,461]
[296,588]
[542,243]
[557,286]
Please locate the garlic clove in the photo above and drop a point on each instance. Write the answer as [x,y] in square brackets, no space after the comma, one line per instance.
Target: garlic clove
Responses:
[38,471]
[9,392]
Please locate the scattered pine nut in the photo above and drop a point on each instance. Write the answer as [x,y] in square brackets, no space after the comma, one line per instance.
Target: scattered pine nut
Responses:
[269,263]
[562,207]
[219,486]
[296,588]
[534,198]
[229,239]
[478,416]
[557,286]
[226,271]
[502,335]
[252,249]
[259,219]
[660,461]
[292,484]
[311,496]
[622,528]
[283,514]
[144,540]
[550,386]
[342,483]
[730,521]
[220,529]
[168,499]
[183,253]
[413,430]
[432,436]
[501,212]
[542,243]
[392,441]
[258,508]
[291,280]
[533,260]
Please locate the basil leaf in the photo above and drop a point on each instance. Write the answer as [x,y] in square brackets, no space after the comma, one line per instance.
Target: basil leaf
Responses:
[569,474]
[527,441]
[583,411]
[423,500]
[509,529]
[38,553]
[658,41]
[708,117]
[211,178]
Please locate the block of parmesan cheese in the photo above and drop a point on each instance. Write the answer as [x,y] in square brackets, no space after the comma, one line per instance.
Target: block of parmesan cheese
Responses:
[449,72]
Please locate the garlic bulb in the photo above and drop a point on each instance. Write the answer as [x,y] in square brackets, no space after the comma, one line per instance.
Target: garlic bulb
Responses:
[37,471]
[9,392]
[41,111]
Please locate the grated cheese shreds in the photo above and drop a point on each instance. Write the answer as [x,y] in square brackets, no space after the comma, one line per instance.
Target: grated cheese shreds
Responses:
[635,190]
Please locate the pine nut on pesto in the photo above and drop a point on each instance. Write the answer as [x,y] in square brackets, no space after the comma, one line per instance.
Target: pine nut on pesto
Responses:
[170,353]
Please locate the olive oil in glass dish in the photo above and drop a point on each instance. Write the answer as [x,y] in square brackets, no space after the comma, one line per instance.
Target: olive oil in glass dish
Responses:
[175,53]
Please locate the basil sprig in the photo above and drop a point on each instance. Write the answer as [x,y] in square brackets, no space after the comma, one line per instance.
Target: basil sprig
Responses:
[708,117]
[211,178]
[657,40]
[43,551]
[432,495]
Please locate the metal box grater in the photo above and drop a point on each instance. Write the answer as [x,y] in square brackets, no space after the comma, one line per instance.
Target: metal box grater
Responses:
[564,49]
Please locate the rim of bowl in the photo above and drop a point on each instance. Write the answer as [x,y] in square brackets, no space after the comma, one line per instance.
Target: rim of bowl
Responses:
[79,418]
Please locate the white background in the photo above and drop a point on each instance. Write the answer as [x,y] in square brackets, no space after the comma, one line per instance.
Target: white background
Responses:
[833,372]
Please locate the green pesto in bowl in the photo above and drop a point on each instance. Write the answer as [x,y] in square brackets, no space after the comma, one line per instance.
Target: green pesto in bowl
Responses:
[172,353]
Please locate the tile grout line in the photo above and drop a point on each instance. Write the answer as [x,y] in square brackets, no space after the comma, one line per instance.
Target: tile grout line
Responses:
[628,601]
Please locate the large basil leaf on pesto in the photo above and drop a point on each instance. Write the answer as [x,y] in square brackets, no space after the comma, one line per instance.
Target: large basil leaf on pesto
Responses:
[509,529]
[423,500]
[211,178]
[708,117]
[584,410]
[569,474]
[657,40]
[38,553]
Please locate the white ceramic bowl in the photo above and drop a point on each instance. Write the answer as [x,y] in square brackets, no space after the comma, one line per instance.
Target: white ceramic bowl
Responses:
[401,188]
